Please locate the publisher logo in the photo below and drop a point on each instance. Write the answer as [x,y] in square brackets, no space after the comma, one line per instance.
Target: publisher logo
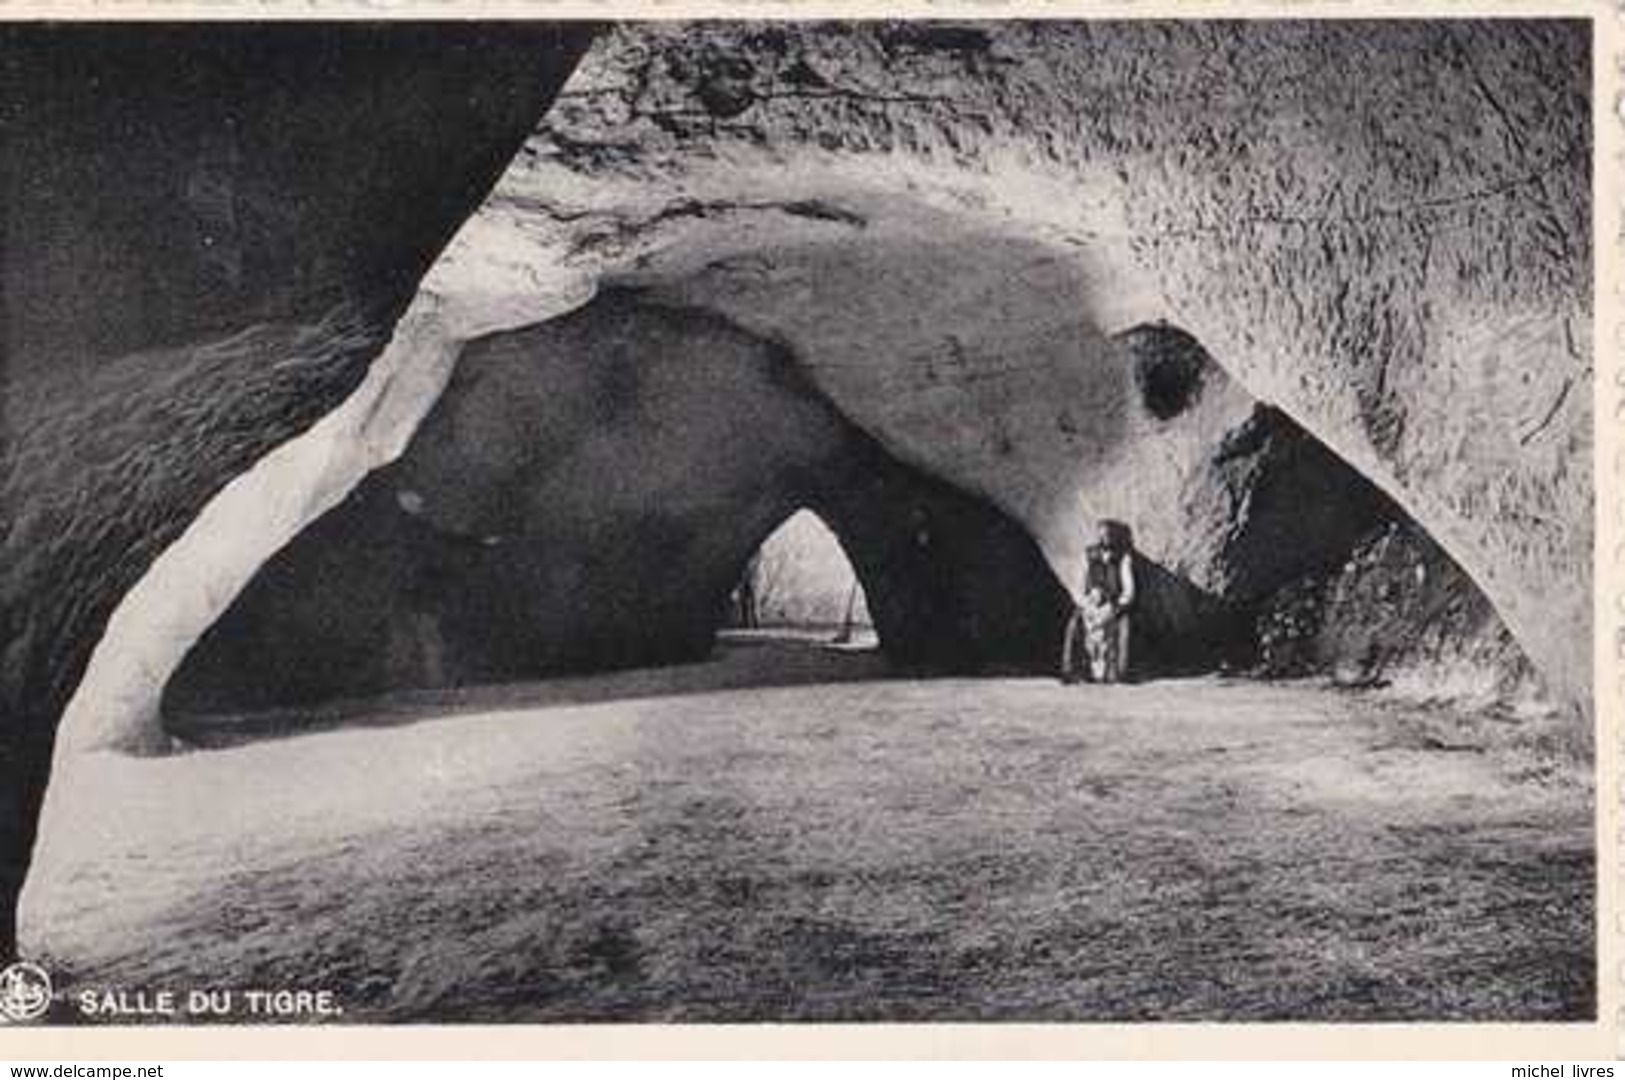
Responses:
[25,991]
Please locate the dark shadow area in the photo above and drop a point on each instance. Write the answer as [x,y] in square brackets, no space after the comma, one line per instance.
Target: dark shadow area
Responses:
[210,229]
[169,182]
[1168,365]
[1178,629]
[1305,507]
[580,499]
[954,585]
[739,661]
[588,493]
[584,498]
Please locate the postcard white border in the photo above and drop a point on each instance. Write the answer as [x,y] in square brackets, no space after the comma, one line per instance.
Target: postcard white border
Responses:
[1536,1042]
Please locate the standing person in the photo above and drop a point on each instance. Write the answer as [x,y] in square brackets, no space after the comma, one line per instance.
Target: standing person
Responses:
[1117,543]
[1101,621]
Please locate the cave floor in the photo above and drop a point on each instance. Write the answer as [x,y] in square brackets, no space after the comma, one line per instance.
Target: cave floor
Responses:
[868,849]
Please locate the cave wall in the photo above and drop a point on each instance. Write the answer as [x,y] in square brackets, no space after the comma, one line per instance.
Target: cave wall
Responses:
[210,231]
[1380,228]
[1396,611]
[954,585]
[587,491]
[583,497]
[167,183]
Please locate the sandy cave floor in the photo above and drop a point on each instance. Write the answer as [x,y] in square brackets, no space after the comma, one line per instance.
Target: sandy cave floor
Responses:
[878,848]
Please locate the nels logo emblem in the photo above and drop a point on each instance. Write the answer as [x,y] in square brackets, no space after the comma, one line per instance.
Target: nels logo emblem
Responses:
[25,992]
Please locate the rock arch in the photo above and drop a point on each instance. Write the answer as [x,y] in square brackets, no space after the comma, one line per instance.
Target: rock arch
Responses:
[1410,283]
[920,214]
[586,492]
[214,183]
[584,496]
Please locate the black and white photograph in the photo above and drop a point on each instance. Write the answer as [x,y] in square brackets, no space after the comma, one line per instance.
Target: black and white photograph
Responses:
[773,520]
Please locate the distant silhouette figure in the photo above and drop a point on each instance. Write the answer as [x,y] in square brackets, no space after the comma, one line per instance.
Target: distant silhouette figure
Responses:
[848,620]
[745,614]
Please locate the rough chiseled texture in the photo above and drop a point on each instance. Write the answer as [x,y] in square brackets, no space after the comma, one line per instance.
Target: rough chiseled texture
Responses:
[1396,611]
[1381,229]
[209,233]
[584,496]
[587,491]
[963,238]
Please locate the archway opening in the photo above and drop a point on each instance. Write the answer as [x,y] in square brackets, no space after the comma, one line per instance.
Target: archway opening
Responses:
[583,499]
[800,583]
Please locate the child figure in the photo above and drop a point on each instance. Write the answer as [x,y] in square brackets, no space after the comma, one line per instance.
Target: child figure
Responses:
[1098,639]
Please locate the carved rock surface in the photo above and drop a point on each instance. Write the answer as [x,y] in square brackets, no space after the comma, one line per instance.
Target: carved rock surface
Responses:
[210,231]
[584,497]
[956,235]
[1397,609]
[587,492]
[1380,229]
